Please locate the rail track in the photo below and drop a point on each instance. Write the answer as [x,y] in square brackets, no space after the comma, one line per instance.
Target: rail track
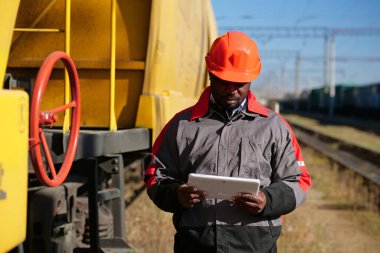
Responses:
[364,162]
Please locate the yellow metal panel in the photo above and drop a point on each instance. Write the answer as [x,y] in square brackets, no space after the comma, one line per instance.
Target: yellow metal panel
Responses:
[13,167]
[90,48]
[95,97]
[7,21]
[176,33]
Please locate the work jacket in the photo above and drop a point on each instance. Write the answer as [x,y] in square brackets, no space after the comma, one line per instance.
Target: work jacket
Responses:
[254,143]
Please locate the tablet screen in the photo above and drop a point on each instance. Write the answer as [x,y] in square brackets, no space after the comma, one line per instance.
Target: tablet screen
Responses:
[221,187]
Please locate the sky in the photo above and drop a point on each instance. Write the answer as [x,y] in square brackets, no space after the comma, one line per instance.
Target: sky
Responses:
[357,53]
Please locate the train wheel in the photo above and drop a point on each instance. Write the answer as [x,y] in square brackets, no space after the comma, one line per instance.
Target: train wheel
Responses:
[40,118]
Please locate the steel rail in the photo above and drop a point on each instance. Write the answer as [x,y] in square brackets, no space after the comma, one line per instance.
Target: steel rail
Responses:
[353,161]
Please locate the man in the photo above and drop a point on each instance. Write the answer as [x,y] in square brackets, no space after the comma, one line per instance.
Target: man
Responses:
[228,133]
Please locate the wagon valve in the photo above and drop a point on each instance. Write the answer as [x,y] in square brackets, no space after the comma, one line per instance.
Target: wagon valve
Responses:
[48,118]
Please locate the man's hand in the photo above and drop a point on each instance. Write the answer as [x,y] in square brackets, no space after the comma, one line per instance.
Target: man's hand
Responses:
[251,203]
[188,196]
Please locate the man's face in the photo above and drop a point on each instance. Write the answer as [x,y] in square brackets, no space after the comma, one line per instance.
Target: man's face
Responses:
[228,94]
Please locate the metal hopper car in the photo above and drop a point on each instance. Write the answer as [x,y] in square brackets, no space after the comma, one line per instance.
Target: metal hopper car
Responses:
[86,86]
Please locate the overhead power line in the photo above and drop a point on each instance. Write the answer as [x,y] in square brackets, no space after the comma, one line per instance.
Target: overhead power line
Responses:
[280,31]
[367,31]
[289,54]
[302,31]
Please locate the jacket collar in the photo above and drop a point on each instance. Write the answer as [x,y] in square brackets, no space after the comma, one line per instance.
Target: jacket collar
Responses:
[201,107]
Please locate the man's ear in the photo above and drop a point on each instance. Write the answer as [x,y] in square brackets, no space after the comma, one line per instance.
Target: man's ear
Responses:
[211,76]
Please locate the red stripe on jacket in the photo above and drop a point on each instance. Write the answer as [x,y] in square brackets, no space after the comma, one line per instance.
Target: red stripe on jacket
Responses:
[304,181]
[150,172]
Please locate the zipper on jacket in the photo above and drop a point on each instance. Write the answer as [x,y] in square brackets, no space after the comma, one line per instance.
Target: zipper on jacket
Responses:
[271,228]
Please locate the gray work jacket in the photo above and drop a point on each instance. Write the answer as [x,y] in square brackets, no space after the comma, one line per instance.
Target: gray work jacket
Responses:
[254,143]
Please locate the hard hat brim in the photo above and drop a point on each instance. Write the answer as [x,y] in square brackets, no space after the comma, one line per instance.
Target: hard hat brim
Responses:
[232,75]
[237,77]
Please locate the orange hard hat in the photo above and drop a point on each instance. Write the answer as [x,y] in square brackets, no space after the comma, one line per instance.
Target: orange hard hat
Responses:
[234,57]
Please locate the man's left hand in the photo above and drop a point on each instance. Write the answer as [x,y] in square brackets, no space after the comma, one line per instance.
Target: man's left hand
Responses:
[251,203]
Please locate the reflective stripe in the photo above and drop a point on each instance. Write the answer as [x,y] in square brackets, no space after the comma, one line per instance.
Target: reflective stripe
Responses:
[301,163]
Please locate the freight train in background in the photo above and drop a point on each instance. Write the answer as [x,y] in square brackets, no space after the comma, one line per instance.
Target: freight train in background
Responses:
[68,137]
[361,101]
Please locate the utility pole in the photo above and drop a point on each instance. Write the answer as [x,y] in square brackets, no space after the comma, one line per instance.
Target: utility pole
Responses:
[326,65]
[297,82]
[332,76]
[282,83]
[271,83]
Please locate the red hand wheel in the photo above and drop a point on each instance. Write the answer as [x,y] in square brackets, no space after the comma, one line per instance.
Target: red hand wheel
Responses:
[39,118]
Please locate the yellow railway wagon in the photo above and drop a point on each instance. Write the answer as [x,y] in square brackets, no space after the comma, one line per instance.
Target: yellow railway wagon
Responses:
[138,63]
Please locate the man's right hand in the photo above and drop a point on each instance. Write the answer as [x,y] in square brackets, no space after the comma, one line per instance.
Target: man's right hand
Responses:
[188,196]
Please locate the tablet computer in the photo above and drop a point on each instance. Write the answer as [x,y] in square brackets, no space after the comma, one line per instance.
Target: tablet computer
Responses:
[221,187]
